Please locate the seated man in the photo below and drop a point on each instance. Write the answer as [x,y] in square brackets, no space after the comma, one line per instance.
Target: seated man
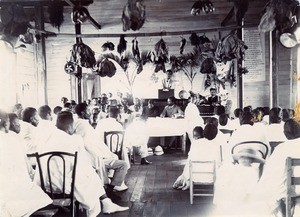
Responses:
[150,110]
[213,99]
[98,149]
[171,110]
[19,195]
[88,186]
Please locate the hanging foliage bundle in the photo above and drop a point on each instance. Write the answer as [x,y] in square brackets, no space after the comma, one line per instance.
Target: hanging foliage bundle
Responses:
[83,55]
[205,6]
[135,49]
[208,66]
[56,13]
[108,46]
[105,67]
[182,45]
[161,52]
[122,45]
[134,15]
[230,47]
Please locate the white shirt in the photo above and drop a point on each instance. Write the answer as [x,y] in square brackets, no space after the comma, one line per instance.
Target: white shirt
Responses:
[29,134]
[19,196]
[88,186]
[193,119]
[106,125]
[275,133]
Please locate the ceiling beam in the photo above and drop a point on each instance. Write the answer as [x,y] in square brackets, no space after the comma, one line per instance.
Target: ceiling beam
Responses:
[228,17]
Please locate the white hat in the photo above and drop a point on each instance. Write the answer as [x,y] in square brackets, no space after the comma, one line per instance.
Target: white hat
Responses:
[158,150]
[254,154]
[150,151]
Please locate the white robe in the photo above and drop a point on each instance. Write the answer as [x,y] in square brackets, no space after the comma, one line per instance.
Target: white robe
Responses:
[19,196]
[88,186]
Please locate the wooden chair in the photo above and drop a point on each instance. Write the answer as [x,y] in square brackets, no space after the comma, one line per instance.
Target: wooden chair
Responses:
[273,145]
[291,182]
[114,140]
[202,180]
[62,198]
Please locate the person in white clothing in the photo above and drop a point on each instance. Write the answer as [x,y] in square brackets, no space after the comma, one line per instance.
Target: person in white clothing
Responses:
[98,149]
[19,196]
[88,186]
[275,128]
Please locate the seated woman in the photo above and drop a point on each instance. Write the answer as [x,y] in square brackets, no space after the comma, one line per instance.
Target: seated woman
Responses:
[204,148]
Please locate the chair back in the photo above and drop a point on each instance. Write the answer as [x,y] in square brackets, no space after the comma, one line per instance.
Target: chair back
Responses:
[274,144]
[114,140]
[202,178]
[55,162]
[226,131]
[291,181]
[256,145]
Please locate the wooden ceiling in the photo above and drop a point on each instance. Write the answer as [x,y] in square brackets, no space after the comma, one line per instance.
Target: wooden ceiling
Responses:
[161,15]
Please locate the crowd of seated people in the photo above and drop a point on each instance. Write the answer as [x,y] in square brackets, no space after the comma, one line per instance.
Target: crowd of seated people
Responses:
[235,143]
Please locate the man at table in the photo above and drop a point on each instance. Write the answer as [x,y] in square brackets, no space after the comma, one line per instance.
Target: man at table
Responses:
[213,99]
[171,110]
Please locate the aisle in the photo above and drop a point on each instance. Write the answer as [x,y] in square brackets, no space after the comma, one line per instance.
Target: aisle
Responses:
[150,191]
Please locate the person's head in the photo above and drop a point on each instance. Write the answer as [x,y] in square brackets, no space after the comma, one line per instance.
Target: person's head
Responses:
[64,100]
[171,101]
[150,103]
[109,95]
[218,110]
[198,133]
[4,122]
[275,115]
[285,115]
[57,109]
[257,115]
[247,156]
[113,112]
[18,110]
[14,123]
[291,129]
[83,111]
[247,108]
[237,112]
[292,113]
[212,120]
[45,112]
[246,118]
[223,119]
[213,91]
[169,73]
[65,122]
[94,102]
[210,131]
[68,105]
[30,115]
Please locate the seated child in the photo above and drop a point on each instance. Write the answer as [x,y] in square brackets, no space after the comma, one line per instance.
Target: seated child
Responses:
[202,149]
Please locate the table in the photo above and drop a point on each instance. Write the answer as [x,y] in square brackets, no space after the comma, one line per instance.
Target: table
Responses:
[162,127]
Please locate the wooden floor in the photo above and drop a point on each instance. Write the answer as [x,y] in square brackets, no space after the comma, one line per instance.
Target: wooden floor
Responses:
[150,191]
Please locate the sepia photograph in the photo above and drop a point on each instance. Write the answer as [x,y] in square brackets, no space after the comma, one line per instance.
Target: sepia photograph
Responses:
[150,108]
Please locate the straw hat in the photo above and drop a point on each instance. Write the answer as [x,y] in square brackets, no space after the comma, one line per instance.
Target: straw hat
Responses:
[254,154]
[158,150]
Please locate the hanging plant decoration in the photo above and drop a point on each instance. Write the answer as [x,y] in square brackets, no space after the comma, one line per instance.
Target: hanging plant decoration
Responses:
[195,40]
[56,13]
[135,49]
[242,70]
[134,15]
[161,52]
[208,66]
[105,67]
[205,6]
[122,44]
[83,55]
[108,46]
[182,45]
[230,47]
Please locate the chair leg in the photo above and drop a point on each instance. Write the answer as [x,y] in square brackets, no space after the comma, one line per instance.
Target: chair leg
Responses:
[191,192]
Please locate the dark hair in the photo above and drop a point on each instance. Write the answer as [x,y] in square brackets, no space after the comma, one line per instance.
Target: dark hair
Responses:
[68,105]
[113,111]
[64,119]
[80,107]
[223,119]
[212,120]
[28,113]
[212,88]
[172,98]
[237,112]
[44,111]
[57,109]
[210,131]
[246,118]
[218,110]
[12,116]
[285,115]
[275,115]
[291,129]
[199,130]
[247,108]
